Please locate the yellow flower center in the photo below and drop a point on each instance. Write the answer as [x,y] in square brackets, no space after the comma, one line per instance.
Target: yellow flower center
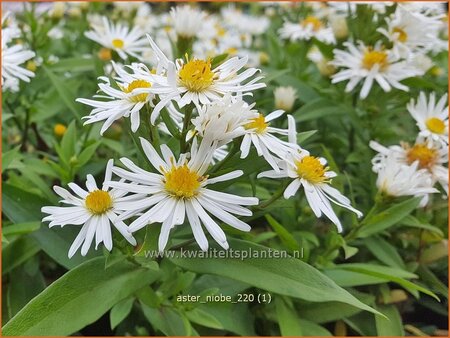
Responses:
[59,129]
[375,57]
[258,123]
[420,152]
[310,168]
[196,75]
[134,85]
[402,36]
[220,31]
[181,182]
[435,125]
[98,202]
[118,43]
[312,21]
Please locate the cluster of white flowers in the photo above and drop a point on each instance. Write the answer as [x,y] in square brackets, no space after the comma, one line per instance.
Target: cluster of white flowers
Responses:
[411,43]
[406,169]
[13,55]
[205,100]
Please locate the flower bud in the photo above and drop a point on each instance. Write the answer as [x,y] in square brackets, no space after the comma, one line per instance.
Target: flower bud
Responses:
[339,26]
[284,98]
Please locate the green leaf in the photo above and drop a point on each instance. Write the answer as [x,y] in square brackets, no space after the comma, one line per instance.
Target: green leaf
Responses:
[347,278]
[64,91]
[284,234]
[20,206]
[331,311]
[394,275]
[86,154]
[392,325]
[167,320]
[75,64]
[78,298]
[20,229]
[303,136]
[385,252]
[204,318]
[68,142]
[312,329]
[411,221]
[120,311]
[10,158]
[388,218]
[18,252]
[319,108]
[287,318]
[289,277]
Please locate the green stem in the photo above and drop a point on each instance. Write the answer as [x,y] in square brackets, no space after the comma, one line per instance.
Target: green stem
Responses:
[186,123]
[25,131]
[275,196]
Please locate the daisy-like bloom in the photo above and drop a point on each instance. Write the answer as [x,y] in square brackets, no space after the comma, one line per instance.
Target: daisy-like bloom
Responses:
[431,117]
[312,173]
[369,64]
[180,189]
[96,209]
[396,179]
[306,29]
[284,98]
[405,30]
[122,102]
[430,155]
[187,21]
[260,134]
[119,38]
[223,120]
[12,57]
[196,81]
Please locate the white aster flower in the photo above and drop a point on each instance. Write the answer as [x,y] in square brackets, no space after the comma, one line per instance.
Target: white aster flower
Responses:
[397,179]
[285,98]
[12,57]
[122,102]
[119,38]
[187,21]
[180,189]
[405,29]
[306,29]
[260,134]
[311,173]
[430,155]
[371,64]
[195,80]
[223,120]
[96,209]
[431,117]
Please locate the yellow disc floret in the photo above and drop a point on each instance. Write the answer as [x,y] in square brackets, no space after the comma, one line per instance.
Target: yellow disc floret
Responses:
[435,125]
[375,57]
[312,21]
[422,153]
[181,182]
[310,169]
[196,75]
[134,85]
[118,43]
[258,123]
[402,36]
[98,202]
[59,129]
